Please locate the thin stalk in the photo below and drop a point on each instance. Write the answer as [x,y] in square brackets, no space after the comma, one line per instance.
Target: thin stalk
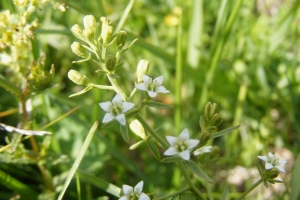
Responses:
[103,87]
[152,132]
[189,181]
[250,189]
[178,78]
[173,194]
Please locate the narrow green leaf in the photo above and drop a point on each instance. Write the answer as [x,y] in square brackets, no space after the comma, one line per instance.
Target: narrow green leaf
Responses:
[187,196]
[82,91]
[171,159]
[295,182]
[198,171]
[223,132]
[124,132]
[13,184]
[16,138]
[10,87]
[99,183]
[77,162]
[225,193]
[159,105]
[114,76]
[154,149]
[137,145]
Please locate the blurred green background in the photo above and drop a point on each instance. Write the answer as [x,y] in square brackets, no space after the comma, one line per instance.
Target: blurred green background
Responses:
[242,55]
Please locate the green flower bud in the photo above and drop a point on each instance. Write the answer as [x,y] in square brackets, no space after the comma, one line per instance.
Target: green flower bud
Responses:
[78,78]
[142,68]
[121,39]
[77,32]
[216,120]
[106,30]
[78,49]
[204,137]
[110,62]
[210,109]
[273,173]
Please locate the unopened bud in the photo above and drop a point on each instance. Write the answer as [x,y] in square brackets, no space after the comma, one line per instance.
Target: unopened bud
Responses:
[205,136]
[121,39]
[78,78]
[106,30]
[207,110]
[78,49]
[142,68]
[273,173]
[110,62]
[216,120]
[77,32]
[90,25]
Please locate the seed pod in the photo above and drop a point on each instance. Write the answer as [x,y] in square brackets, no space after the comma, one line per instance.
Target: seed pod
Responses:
[121,39]
[110,62]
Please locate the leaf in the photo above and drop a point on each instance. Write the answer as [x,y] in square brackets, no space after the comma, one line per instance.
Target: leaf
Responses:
[154,149]
[10,87]
[187,196]
[113,76]
[124,132]
[159,105]
[225,193]
[77,162]
[99,183]
[137,145]
[223,132]
[82,91]
[171,159]
[295,182]
[198,171]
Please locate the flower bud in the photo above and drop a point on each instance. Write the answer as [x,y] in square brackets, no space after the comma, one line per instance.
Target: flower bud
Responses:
[78,49]
[77,32]
[142,68]
[90,25]
[273,173]
[216,120]
[110,62]
[121,39]
[78,78]
[205,136]
[106,30]
[207,110]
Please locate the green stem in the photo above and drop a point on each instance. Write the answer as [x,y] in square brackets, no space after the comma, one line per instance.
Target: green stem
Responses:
[189,181]
[117,88]
[251,188]
[103,87]
[173,194]
[152,132]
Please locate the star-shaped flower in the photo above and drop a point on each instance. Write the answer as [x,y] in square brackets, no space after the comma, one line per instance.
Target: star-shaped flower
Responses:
[135,193]
[272,161]
[181,145]
[202,150]
[116,109]
[152,86]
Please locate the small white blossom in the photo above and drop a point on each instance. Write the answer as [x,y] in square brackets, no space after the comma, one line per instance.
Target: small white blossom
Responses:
[202,150]
[181,145]
[116,109]
[135,193]
[152,86]
[272,161]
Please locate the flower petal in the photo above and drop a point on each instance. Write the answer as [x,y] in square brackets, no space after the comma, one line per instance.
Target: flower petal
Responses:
[123,198]
[162,89]
[184,135]
[117,99]
[127,190]
[141,86]
[143,196]
[159,80]
[280,168]
[108,117]
[271,155]
[269,166]
[172,140]
[121,119]
[127,106]
[185,155]
[152,94]
[265,158]
[282,162]
[139,187]
[146,79]
[171,151]
[105,106]
[192,143]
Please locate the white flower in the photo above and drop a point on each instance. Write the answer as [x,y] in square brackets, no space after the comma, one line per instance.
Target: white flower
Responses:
[116,109]
[272,161]
[134,193]
[181,145]
[202,150]
[152,87]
